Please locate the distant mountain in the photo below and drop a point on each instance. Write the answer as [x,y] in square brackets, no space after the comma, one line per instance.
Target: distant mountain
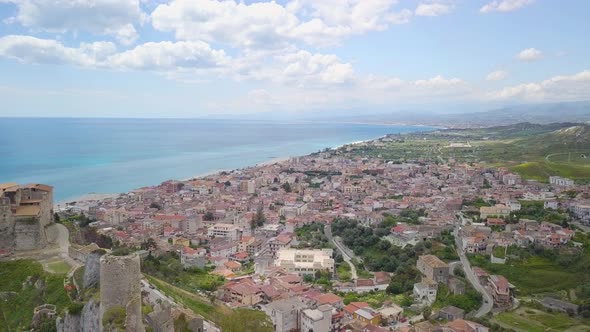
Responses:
[578,112]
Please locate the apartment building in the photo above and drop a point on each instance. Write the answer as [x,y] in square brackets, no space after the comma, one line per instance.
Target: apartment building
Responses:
[305,261]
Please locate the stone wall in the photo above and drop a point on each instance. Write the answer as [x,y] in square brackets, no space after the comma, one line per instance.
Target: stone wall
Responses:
[29,234]
[120,281]
[92,270]
[6,226]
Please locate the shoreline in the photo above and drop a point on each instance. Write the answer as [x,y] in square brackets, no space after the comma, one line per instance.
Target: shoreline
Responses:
[95,197]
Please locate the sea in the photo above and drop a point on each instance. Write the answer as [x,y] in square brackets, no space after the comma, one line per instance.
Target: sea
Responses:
[81,156]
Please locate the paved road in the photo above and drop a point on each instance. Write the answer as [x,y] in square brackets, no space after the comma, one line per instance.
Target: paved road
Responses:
[342,249]
[488,301]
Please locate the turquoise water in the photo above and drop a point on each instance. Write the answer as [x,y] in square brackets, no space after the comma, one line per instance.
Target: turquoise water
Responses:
[80,156]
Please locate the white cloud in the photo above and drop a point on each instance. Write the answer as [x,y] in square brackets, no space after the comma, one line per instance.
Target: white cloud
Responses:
[269,25]
[529,55]
[319,68]
[432,9]
[505,5]
[160,56]
[497,75]
[102,17]
[29,49]
[170,55]
[558,88]
[438,82]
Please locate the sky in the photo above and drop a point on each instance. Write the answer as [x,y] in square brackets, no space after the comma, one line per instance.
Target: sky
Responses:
[194,58]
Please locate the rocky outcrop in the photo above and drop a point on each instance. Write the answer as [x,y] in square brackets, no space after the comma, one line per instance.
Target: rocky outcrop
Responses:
[85,321]
[92,270]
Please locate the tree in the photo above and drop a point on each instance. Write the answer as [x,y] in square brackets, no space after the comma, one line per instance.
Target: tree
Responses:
[149,244]
[209,216]
[287,187]
[156,206]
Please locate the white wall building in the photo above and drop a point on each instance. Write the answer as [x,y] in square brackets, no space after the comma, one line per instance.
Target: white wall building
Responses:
[305,261]
[317,320]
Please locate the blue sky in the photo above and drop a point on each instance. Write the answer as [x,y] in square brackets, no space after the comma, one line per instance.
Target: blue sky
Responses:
[185,58]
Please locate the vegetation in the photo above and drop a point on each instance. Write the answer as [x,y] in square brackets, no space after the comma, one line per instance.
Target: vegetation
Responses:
[530,319]
[168,267]
[375,298]
[16,312]
[312,236]
[229,320]
[469,301]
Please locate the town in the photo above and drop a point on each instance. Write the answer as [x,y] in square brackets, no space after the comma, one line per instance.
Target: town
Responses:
[331,241]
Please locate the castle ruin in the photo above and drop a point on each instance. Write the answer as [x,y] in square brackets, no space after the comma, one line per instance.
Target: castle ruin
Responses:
[25,213]
[120,280]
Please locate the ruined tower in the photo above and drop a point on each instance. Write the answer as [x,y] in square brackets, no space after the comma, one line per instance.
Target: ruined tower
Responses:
[120,291]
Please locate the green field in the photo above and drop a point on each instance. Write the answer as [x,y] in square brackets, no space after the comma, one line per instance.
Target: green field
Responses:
[17,312]
[58,267]
[533,320]
[535,275]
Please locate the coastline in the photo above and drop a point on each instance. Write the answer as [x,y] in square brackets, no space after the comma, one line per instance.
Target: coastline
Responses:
[84,200]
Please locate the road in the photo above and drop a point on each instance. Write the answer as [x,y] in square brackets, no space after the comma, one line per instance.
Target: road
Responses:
[488,301]
[342,249]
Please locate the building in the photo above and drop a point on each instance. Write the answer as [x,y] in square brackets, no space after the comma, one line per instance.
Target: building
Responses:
[451,313]
[367,316]
[25,212]
[561,182]
[510,179]
[498,210]
[460,325]
[500,290]
[425,291]
[317,320]
[279,242]
[305,261]
[581,211]
[80,253]
[225,230]
[190,257]
[243,292]
[433,268]
[285,314]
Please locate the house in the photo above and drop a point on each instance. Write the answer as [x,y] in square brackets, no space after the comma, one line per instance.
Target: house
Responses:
[243,292]
[367,316]
[425,291]
[481,275]
[279,242]
[500,290]
[225,230]
[317,320]
[285,314]
[433,268]
[190,257]
[391,313]
[331,299]
[460,325]
[352,307]
[456,286]
[451,313]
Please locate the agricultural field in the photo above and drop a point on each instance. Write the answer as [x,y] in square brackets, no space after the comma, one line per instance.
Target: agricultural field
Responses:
[533,320]
[534,151]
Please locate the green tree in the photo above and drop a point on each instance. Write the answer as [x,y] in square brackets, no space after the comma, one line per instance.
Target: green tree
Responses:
[287,187]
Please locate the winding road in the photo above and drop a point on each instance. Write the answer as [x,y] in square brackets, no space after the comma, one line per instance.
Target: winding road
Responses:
[488,301]
[342,249]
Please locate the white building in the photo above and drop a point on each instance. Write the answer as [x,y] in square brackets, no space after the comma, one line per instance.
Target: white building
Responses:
[225,230]
[561,182]
[317,320]
[305,261]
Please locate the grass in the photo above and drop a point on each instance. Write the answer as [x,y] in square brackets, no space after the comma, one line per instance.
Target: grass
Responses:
[343,271]
[528,319]
[17,312]
[374,298]
[533,276]
[58,267]
[229,320]
[499,252]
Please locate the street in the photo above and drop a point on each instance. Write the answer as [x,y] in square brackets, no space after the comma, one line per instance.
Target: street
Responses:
[345,256]
[488,301]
